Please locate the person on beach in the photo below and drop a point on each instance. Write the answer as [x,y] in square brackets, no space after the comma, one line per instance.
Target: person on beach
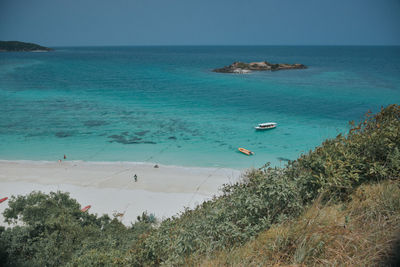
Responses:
[135,177]
[65,157]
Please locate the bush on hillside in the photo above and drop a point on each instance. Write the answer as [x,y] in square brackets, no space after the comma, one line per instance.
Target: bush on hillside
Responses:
[53,230]
[370,152]
[358,232]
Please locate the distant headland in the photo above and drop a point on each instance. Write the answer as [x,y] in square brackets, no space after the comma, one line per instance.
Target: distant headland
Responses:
[241,67]
[16,46]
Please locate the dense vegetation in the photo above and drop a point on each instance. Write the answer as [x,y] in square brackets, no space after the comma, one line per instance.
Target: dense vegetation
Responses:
[358,232]
[15,46]
[291,214]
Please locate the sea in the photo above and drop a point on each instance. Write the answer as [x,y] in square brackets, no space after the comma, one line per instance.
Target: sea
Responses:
[164,105]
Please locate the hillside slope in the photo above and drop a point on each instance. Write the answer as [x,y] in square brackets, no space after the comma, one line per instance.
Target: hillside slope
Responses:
[343,197]
[369,153]
[360,232]
[16,46]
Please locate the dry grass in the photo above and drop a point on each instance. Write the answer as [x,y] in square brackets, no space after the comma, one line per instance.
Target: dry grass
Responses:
[360,232]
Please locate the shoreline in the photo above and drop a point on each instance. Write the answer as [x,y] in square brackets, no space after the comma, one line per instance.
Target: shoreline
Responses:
[109,187]
[119,162]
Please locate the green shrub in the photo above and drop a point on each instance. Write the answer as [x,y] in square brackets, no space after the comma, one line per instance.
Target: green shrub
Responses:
[54,232]
[370,152]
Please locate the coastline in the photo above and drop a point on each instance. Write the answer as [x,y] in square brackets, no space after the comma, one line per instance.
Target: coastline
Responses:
[109,187]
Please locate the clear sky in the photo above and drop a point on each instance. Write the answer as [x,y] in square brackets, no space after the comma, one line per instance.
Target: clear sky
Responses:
[201,22]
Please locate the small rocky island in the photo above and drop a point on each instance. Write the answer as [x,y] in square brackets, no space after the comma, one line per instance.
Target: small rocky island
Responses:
[241,67]
[16,46]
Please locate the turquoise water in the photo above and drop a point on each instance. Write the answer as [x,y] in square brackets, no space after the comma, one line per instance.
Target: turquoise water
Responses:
[164,105]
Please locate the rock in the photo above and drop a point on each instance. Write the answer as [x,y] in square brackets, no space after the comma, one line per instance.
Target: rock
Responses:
[241,67]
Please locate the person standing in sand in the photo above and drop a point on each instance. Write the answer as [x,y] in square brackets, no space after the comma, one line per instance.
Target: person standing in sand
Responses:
[135,177]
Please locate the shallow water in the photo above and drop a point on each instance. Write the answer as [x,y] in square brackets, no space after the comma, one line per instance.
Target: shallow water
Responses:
[163,104]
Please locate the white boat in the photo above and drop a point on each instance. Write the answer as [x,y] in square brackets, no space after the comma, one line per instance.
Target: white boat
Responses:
[266,126]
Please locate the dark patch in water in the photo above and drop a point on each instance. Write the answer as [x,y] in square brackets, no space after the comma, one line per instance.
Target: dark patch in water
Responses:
[160,132]
[34,135]
[94,123]
[11,125]
[283,159]
[286,134]
[128,140]
[178,146]
[195,133]
[125,133]
[123,140]
[172,138]
[149,142]
[142,133]
[114,136]
[125,112]
[63,134]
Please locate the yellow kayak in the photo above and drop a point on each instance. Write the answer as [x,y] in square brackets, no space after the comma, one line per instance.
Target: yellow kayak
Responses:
[245,151]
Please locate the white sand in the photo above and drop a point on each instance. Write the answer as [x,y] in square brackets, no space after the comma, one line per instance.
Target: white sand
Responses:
[109,187]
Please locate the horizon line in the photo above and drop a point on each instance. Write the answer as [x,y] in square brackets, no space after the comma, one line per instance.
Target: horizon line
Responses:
[232,45]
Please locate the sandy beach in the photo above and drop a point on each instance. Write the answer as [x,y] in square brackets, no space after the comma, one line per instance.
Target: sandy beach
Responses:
[109,187]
